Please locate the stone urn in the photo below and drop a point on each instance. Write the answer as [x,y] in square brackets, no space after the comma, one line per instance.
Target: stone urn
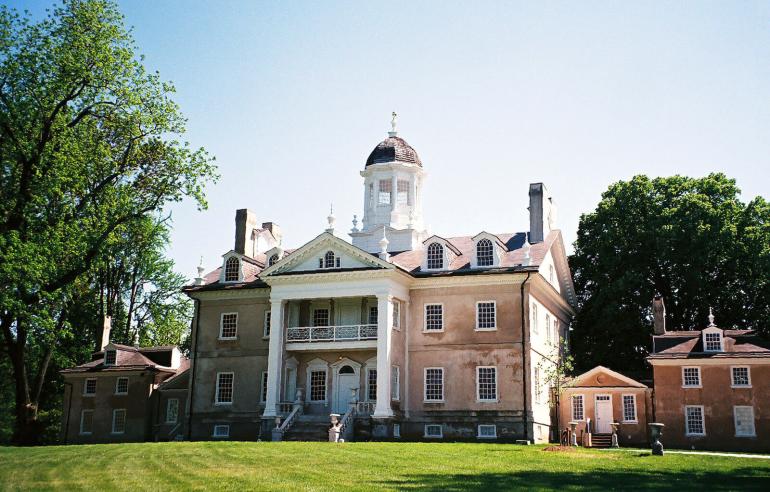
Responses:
[656,430]
[615,426]
[572,433]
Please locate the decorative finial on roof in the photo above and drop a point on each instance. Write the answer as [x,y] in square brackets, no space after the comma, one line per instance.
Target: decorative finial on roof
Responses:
[331,219]
[136,338]
[711,317]
[526,247]
[384,246]
[393,132]
[355,223]
[199,278]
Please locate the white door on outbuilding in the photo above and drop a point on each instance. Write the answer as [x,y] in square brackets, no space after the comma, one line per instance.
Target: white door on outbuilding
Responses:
[603,406]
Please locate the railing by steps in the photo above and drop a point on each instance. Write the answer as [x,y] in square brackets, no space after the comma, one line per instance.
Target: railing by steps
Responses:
[342,333]
[365,407]
[285,407]
[347,423]
[284,427]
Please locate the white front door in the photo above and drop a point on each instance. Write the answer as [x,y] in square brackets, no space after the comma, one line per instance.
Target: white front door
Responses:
[347,379]
[603,414]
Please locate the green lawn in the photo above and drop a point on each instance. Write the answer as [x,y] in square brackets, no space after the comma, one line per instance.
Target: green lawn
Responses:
[365,466]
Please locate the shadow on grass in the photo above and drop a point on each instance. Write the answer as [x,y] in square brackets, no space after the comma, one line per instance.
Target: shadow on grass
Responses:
[735,479]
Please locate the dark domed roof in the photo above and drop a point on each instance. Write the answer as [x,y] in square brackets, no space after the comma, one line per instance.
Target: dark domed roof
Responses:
[393,149]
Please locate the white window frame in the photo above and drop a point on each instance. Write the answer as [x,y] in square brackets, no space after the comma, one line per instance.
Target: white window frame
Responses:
[478,386]
[396,315]
[494,308]
[240,270]
[753,421]
[267,324]
[395,383]
[115,353]
[82,418]
[117,385]
[168,410]
[440,434]
[397,431]
[222,326]
[686,419]
[263,387]
[480,436]
[85,387]
[582,399]
[114,419]
[732,377]
[706,341]
[216,391]
[535,321]
[443,257]
[368,386]
[538,385]
[492,253]
[425,385]
[328,316]
[623,408]
[381,195]
[684,380]
[316,367]
[220,435]
[425,317]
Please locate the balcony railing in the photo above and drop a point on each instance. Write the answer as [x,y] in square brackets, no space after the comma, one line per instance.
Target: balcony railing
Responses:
[343,333]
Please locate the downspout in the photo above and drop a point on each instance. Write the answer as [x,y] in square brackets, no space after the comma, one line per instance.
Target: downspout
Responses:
[194,366]
[524,369]
[69,411]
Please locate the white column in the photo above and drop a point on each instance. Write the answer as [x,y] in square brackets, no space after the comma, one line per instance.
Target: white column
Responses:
[384,343]
[393,192]
[274,358]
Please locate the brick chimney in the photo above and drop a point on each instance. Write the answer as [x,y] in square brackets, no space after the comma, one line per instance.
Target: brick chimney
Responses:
[106,327]
[659,315]
[245,223]
[274,229]
[542,213]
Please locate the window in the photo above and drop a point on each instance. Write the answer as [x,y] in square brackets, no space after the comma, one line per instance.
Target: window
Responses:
[577,407]
[434,384]
[119,421]
[110,356]
[397,431]
[386,186]
[434,430]
[395,390]
[172,410]
[556,338]
[89,387]
[691,377]
[121,386]
[434,317]
[266,327]
[486,317]
[224,388]
[548,327]
[321,317]
[534,318]
[435,256]
[402,198]
[484,253]
[318,386]
[221,431]
[273,260]
[487,431]
[228,327]
[741,376]
[713,342]
[232,269]
[744,421]
[694,421]
[330,260]
[373,313]
[263,388]
[538,385]
[371,384]
[629,408]
[396,315]
[86,421]
[550,274]
[486,383]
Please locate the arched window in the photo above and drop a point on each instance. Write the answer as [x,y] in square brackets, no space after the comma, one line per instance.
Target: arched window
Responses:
[347,370]
[435,256]
[232,269]
[273,259]
[329,259]
[484,253]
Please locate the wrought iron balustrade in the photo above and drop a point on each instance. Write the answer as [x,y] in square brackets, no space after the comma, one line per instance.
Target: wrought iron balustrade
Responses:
[341,333]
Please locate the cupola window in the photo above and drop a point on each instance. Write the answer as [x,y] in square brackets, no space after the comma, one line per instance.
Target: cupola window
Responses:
[435,256]
[386,186]
[402,198]
[484,253]
[232,269]
[273,260]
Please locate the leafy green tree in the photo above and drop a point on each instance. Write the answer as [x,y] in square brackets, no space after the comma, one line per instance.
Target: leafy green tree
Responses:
[88,146]
[690,240]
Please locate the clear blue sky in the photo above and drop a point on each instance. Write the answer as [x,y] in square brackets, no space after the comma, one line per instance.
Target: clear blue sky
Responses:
[292,96]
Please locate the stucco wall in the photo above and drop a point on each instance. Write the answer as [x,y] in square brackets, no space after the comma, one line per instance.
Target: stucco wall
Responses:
[629,433]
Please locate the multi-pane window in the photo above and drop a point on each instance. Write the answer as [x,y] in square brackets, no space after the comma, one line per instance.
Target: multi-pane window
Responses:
[89,387]
[433,430]
[538,385]
[713,342]
[371,384]
[577,407]
[266,327]
[484,253]
[225,387]
[263,388]
[434,384]
[318,386]
[386,186]
[556,331]
[534,318]
[487,431]
[395,391]
[232,269]
[172,410]
[110,356]
[548,327]
[121,386]
[330,260]
[229,326]
[119,421]
[273,260]
[435,256]
[221,431]
[744,421]
[741,376]
[486,318]
[396,314]
[486,383]
[86,421]
[434,317]
[694,420]
[629,408]
[402,198]
[373,313]
[691,377]
[321,317]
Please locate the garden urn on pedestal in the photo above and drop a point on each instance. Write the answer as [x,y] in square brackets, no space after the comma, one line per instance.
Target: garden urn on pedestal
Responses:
[656,430]
[572,434]
[615,426]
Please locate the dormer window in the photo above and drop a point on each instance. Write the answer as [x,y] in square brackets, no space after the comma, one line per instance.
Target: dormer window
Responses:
[273,260]
[435,256]
[329,260]
[485,253]
[232,269]
[712,342]
[110,356]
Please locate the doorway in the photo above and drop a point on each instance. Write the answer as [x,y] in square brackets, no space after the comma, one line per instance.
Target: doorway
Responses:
[346,381]
[603,411]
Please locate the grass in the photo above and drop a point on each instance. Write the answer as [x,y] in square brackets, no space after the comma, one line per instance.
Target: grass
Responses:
[365,466]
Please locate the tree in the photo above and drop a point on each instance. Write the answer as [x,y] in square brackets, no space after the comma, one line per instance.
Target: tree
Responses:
[690,240]
[88,146]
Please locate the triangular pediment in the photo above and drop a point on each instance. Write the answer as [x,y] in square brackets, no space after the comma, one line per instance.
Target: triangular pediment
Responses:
[314,257]
[601,376]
